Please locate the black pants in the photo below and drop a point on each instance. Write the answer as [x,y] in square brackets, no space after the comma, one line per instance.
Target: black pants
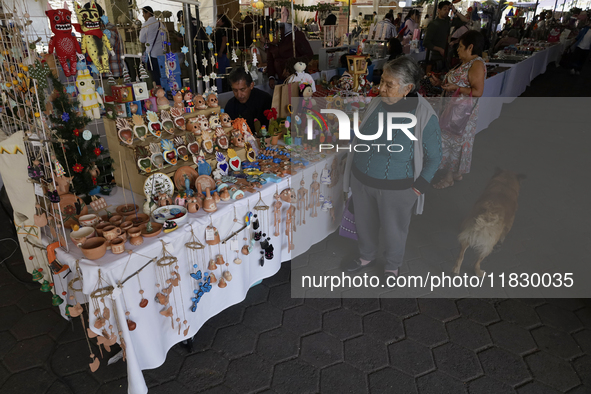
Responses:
[154,70]
[579,58]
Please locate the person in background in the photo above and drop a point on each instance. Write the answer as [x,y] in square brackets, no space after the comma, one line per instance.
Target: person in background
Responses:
[468,80]
[438,31]
[511,38]
[394,48]
[386,27]
[279,53]
[153,34]
[411,23]
[425,23]
[460,28]
[386,187]
[248,102]
[220,37]
[375,16]
[398,21]
[582,46]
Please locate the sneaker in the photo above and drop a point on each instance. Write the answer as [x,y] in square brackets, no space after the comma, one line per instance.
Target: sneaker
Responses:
[355,265]
[572,71]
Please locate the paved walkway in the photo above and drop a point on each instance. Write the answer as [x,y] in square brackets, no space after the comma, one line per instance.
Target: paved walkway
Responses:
[272,343]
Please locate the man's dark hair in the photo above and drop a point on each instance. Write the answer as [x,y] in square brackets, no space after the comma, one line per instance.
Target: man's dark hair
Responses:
[474,38]
[443,4]
[148,9]
[239,74]
[394,47]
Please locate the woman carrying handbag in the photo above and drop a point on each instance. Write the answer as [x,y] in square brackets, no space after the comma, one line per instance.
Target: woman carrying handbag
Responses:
[457,122]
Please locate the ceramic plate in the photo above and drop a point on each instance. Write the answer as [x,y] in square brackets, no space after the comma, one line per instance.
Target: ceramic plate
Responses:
[179,179]
[206,182]
[170,212]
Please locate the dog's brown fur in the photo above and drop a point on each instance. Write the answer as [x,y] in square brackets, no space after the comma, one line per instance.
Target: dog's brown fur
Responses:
[491,217]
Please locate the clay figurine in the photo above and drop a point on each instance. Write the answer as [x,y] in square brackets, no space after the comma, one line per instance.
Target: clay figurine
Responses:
[302,201]
[199,102]
[178,100]
[88,97]
[277,213]
[161,100]
[164,200]
[225,119]
[314,195]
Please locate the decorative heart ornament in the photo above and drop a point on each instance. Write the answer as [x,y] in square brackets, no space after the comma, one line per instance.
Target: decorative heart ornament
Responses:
[169,153]
[154,124]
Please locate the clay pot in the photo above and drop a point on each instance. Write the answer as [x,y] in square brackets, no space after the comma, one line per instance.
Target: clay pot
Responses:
[135,236]
[209,204]
[225,195]
[117,246]
[94,248]
[140,218]
[126,209]
[245,250]
[156,229]
[111,232]
[126,226]
[80,236]
[123,236]
[116,220]
[275,139]
[227,276]
[216,197]
[88,220]
[99,228]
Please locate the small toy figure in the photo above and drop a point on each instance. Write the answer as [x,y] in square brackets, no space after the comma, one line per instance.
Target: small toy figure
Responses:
[241,125]
[199,102]
[63,43]
[180,199]
[225,119]
[290,227]
[306,92]
[161,100]
[178,100]
[301,76]
[302,201]
[88,96]
[277,213]
[189,106]
[314,195]
[94,42]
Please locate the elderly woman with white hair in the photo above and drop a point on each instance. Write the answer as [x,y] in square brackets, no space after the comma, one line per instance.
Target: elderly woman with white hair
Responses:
[389,180]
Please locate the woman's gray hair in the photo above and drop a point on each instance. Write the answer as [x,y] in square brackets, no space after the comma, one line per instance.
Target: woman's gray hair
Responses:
[406,70]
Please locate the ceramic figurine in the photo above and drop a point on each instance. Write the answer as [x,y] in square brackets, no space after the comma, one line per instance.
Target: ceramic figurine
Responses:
[181,148]
[209,204]
[212,100]
[154,125]
[139,127]
[178,100]
[199,102]
[314,195]
[87,95]
[221,138]
[203,123]
[189,106]
[290,226]
[63,42]
[168,152]
[143,159]
[193,204]
[192,145]
[161,100]
[164,200]
[207,141]
[277,213]
[180,199]
[166,121]
[302,201]
[94,42]
[124,131]
[157,158]
[222,163]
[225,120]
[193,126]
[178,118]
[203,167]
[241,125]
[214,122]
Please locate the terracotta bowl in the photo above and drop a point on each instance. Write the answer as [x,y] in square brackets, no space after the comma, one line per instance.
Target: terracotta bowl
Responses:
[157,227]
[116,220]
[79,237]
[126,209]
[94,248]
[99,228]
[126,225]
[141,218]
[88,220]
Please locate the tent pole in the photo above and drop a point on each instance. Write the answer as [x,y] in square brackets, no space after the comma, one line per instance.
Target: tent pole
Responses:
[293,31]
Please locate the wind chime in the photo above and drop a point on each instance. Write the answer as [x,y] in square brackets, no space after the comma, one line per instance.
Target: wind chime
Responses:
[196,261]
[324,199]
[302,201]
[314,195]
[248,237]
[266,246]
[103,317]
[212,238]
[168,279]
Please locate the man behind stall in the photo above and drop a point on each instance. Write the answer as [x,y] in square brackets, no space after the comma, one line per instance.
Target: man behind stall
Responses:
[438,31]
[248,102]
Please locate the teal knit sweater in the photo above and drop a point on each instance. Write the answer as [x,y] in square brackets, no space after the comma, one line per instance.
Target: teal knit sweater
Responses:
[394,170]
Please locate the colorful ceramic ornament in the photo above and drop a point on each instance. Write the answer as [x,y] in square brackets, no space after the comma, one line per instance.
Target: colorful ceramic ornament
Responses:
[124,131]
[207,141]
[154,125]
[237,139]
[221,138]
[63,42]
[225,120]
[167,123]
[139,127]
[168,152]
[233,160]
[179,120]
[222,164]
[156,158]
[193,126]
[199,102]
[192,145]
[88,97]
[203,167]
[144,162]
[181,148]
[203,124]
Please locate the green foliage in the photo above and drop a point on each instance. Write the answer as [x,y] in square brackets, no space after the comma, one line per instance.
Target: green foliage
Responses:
[76,150]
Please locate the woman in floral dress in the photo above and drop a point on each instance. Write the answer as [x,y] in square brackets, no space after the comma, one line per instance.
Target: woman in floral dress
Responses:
[468,77]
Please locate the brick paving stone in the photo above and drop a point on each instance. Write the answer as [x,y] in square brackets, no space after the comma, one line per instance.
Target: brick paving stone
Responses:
[536,388]
[70,358]
[7,341]
[580,390]
[401,307]
[227,317]
[366,353]
[281,277]
[323,304]
[442,309]
[433,254]
[342,323]
[478,310]
[109,373]
[217,390]
[558,317]
[248,374]
[425,330]
[235,341]
[11,293]
[34,300]
[342,378]
[115,387]
[512,337]
[411,357]
[74,332]
[262,317]
[383,326]
[584,316]
[571,304]
[503,366]
[31,381]
[486,385]
[256,295]
[457,362]
[390,380]
[280,296]
[467,333]
[82,382]
[437,382]
[4,374]
[519,313]
[583,338]
[57,388]
[321,350]
[362,306]
[29,353]
[10,315]
[278,345]
[204,338]
[296,376]
[556,342]
[37,323]
[167,371]
[552,371]
[172,387]
[203,370]
[583,367]
[302,320]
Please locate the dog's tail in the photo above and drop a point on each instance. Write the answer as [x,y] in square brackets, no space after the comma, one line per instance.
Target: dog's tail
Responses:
[482,231]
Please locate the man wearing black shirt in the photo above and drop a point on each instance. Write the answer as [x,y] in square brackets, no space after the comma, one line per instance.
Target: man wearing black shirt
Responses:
[248,103]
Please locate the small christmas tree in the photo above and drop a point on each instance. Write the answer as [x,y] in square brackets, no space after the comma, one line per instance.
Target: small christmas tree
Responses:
[142,72]
[78,155]
[126,77]
[111,79]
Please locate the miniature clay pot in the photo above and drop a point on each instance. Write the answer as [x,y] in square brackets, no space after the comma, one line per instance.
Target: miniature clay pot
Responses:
[79,237]
[99,228]
[88,220]
[135,236]
[117,246]
[111,232]
[209,203]
[126,226]
[116,220]
[139,218]
[94,248]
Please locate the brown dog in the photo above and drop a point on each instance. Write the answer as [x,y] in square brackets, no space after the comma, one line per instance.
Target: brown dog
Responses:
[491,217]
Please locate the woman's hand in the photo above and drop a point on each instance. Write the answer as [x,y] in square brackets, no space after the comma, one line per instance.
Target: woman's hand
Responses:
[450,87]
[435,81]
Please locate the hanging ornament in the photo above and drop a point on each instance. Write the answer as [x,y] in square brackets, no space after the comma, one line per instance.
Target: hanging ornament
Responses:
[87,135]
[78,168]
[77,132]
[59,169]
[204,62]
[65,117]
[254,59]
[234,56]
[142,72]
[126,77]
[39,71]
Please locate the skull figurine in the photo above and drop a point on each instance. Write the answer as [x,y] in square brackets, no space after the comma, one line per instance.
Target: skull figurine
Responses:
[237,139]
[225,120]
[199,102]
[212,100]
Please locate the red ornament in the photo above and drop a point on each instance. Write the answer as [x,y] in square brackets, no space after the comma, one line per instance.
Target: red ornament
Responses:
[97,151]
[64,293]
[94,181]
[31,257]
[78,167]
[76,132]
[270,114]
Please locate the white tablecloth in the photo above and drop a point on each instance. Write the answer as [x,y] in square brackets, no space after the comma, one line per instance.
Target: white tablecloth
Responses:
[149,343]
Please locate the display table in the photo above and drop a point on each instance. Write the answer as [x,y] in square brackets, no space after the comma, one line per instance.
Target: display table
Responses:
[148,344]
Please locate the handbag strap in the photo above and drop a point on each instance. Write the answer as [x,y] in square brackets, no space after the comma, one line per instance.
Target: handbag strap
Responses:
[154,42]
